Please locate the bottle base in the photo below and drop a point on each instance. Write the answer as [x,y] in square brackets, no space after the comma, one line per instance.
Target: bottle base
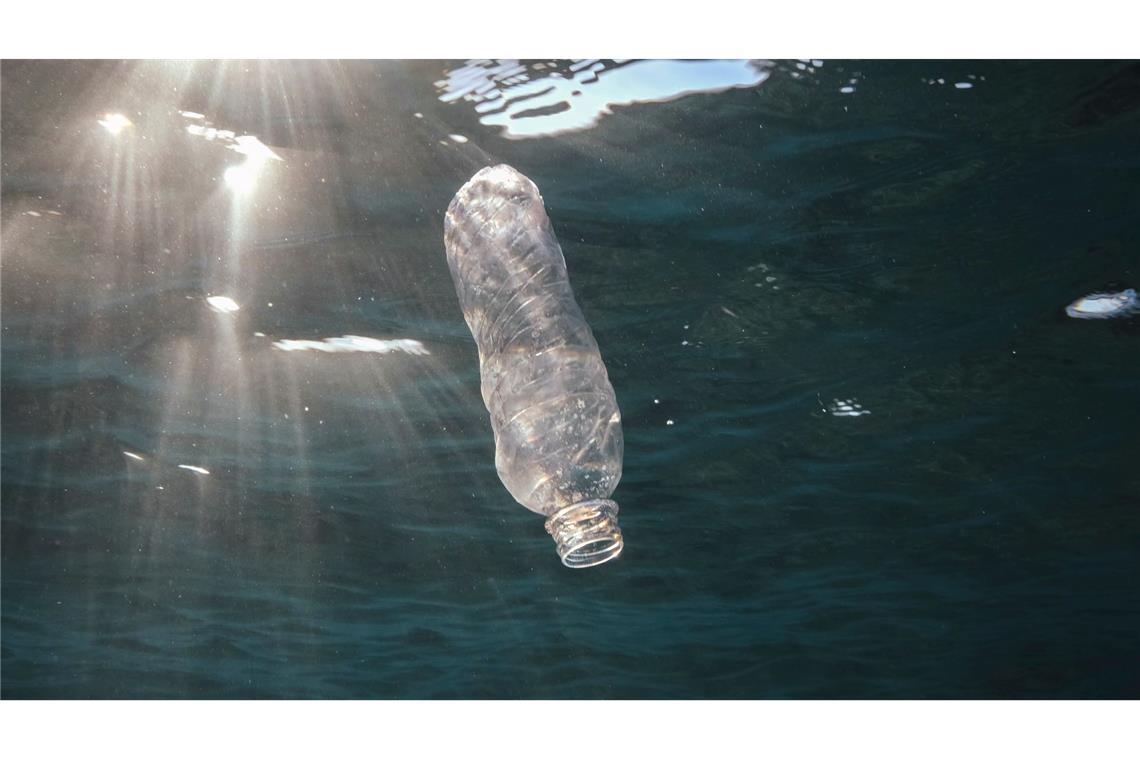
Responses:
[586,533]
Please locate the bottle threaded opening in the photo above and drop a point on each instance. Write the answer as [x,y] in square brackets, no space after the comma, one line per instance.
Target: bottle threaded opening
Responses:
[586,533]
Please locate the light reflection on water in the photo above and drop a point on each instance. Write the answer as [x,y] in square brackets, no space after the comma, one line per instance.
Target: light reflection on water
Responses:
[114,123]
[535,101]
[354,344]
[222,304]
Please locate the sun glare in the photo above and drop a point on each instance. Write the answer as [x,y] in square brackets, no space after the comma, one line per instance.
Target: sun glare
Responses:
[115,123]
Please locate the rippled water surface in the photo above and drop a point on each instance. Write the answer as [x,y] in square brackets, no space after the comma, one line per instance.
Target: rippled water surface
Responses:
[867,453]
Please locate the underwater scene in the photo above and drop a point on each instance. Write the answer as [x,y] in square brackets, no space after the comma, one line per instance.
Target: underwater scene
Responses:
[569,379]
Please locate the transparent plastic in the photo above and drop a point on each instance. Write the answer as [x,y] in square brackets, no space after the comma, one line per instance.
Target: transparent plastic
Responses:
[558,438]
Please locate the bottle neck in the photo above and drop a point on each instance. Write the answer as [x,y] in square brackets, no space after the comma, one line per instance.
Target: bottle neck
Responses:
[586,533]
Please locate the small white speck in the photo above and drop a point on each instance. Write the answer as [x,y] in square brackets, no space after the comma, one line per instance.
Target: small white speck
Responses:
[847,90]
[684,343]
[963,85]
[418,115]
[458,138]
[32,213]
[941,81]
[134,456]
[195,468]
[668,422]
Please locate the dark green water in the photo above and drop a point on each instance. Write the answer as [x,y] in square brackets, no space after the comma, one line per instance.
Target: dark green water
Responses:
[749,260]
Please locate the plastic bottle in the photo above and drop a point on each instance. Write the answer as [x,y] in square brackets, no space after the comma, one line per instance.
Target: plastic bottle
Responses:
[558,439]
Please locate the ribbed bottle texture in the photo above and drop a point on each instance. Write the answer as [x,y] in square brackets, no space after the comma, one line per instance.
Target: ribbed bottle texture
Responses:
[558,438]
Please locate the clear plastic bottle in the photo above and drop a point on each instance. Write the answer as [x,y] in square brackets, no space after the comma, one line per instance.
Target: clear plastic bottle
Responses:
[558,439]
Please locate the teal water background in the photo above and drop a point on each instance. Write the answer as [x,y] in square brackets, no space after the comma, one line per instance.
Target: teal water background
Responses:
[867,454]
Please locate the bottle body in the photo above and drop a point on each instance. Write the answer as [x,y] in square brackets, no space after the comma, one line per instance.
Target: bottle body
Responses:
[557,427]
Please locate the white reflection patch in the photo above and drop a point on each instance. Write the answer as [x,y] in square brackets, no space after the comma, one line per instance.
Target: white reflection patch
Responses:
[114,123]
[241,178]
[210,133]
[354,344]
[249,145]
[134,456]
[222,304]
[1104,305]
[554,102]
[195,468]
[846,408]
